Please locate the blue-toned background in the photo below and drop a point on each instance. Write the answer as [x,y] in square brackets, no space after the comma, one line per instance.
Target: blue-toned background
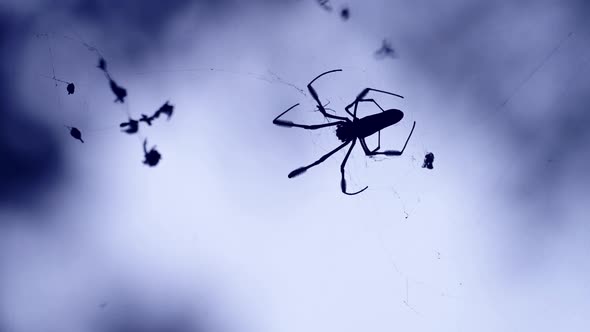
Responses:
[217,238]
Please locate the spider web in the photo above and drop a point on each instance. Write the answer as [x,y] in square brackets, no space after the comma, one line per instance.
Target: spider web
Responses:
[406,197]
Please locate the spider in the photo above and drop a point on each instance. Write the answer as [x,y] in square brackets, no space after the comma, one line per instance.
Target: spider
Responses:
[349,131]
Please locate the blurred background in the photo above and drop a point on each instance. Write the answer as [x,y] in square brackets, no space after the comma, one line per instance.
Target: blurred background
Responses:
[217,238]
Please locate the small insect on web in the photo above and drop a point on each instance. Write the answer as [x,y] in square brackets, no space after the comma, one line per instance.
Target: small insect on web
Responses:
[131,126]
[152,157]
[75,133]
[345,13]
[349,131]
[428,160]
[70,87]
[386,50]
[120,92]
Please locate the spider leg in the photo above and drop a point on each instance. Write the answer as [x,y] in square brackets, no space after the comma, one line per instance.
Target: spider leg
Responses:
[355,104]
[387,152]
[366,91]
[315,96]
[361,97]
[289,124]
[342,166]
[302,170]
[365,146]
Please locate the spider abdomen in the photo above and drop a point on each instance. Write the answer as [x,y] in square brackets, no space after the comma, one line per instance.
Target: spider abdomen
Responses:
[371,124]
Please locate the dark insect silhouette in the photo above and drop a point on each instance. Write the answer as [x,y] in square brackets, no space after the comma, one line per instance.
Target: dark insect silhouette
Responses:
[165,109]
[345,13]
[132,126]
[349,131]
[75,133]
[146,119]
[71,88]
[152,157]
[119,92]
[325,4]
[428,160]
[102,65]
[386,50]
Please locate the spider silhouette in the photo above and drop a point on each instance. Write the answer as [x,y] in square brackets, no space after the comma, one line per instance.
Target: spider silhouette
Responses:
[349,131]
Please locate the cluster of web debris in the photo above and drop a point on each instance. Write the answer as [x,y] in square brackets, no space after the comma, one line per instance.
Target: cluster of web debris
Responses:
[131,126]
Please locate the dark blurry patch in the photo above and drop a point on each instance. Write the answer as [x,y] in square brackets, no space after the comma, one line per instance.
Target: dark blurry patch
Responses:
[31,157]
[136,318]
[136,26]
[325,4]
[386,50]
[462,51]
[345,13]
[124,309]
[128,19]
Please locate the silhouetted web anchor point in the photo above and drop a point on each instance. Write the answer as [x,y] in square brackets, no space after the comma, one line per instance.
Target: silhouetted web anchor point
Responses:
[350,131]
[152,157]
